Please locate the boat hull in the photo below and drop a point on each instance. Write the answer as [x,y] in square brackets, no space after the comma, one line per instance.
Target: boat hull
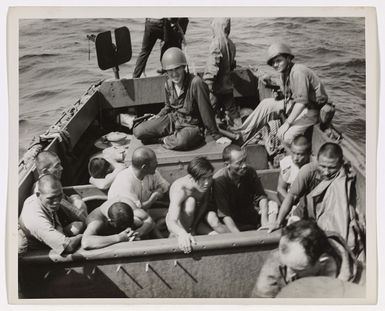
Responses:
[219,267]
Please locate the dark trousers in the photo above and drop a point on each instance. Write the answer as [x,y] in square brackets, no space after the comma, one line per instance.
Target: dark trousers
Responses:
[154,29]
[183,138]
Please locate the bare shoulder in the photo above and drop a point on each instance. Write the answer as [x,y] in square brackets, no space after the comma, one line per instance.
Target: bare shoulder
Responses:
[179,187]
[140,213]
[95,216]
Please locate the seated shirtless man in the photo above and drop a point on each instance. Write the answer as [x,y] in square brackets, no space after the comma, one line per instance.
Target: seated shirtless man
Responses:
[115,221]
[189,198]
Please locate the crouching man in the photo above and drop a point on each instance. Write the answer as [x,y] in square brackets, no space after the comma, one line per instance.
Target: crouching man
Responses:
[304,250]
[39,223]
[115,221]
[189,199]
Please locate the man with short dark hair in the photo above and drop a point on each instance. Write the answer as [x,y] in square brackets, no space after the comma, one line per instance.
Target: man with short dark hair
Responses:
[115,221]
[304,250]
[189,199]
[238,194]
[103,170]
[324,188]
[40,223]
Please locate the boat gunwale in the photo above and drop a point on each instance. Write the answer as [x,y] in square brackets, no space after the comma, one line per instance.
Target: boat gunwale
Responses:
[148,248]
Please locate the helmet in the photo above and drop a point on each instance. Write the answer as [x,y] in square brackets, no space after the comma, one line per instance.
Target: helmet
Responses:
[173,58]
[277,49]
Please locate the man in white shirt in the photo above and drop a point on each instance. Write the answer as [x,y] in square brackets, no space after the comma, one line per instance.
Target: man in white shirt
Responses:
[73,206]
[300,154]
[39,223]
[140,182]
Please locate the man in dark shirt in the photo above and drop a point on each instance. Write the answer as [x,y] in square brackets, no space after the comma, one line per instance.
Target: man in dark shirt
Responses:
[238,194]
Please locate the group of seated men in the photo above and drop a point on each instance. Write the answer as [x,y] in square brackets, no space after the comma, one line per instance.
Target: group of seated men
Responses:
[202,202]
[231,200]
[197,204]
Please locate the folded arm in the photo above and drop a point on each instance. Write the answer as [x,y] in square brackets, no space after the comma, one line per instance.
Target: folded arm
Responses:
[145,222]
[91,239]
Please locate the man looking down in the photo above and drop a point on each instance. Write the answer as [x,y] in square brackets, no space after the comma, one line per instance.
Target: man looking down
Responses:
[114,222]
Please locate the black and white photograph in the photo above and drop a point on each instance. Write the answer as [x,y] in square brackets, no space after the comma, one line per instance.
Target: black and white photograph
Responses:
[193,154]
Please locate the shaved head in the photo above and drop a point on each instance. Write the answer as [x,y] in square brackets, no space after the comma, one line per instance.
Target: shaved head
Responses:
[50,192]
[331,151]
[47,183]
[142,156]
[48,162]
[301,141]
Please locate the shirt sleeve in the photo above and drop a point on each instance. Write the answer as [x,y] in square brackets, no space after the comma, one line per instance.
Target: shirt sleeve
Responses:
[259,191]
[299,84]
[44,231]
[161,185]
[221,198]
[302,182]
[284,165]
[166,109]
[212,65]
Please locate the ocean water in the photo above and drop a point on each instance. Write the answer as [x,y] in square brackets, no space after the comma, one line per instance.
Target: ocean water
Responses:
[57,63]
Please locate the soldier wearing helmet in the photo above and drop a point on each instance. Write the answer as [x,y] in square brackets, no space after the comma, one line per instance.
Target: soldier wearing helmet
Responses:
[304,95]
[187,113]
[220,63]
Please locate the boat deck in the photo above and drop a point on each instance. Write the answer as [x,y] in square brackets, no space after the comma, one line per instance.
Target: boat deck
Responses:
[211,150]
